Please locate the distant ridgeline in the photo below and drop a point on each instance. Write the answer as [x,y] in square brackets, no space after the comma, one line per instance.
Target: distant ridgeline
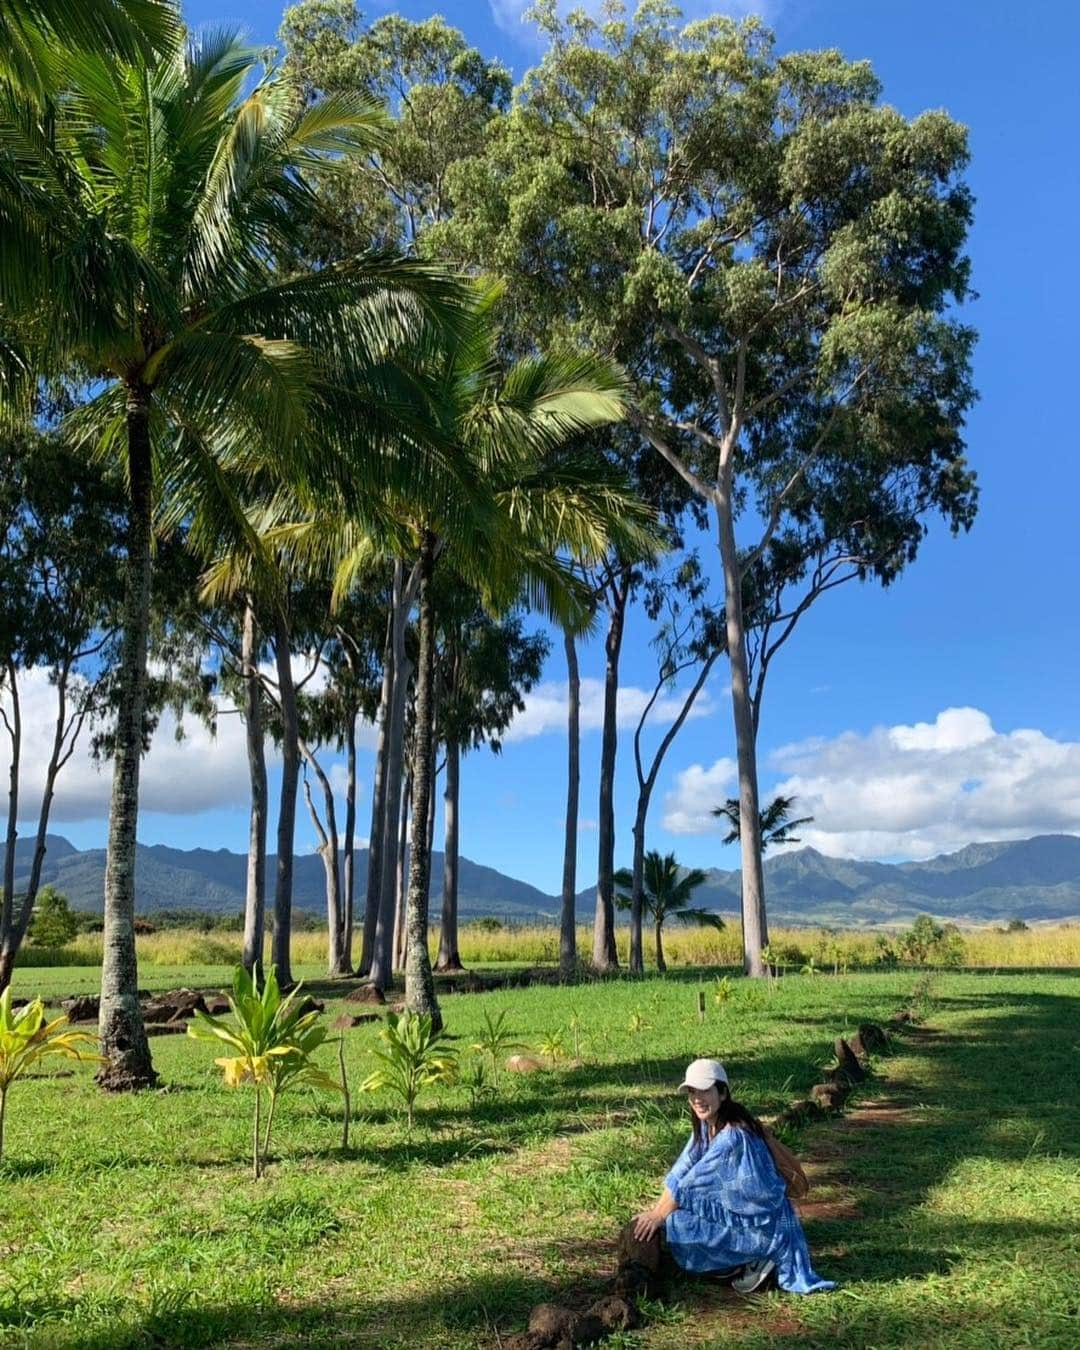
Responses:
[1029,879]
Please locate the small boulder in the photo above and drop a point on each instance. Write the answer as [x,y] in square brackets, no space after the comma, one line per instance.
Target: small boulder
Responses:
[830,1095]
[524,1064]
[81,1007]
[308,1005]
[873,1037]
[366,993]
[847,1061]
[217,1004]
[799,1113]
[550,1324]
[166,1028]
[614,1313]
[630,1251]
[175,1006]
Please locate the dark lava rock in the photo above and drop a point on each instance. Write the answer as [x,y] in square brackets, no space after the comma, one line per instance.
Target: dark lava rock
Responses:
[175,1006]
[848,1061]
[614,1313]
[873,1037]
[799,1113]
[166,1028]
[551,1324]
[829,1095]
[217,1004]
[366,993]
[307,1005]
[630,1251]
[81,1007]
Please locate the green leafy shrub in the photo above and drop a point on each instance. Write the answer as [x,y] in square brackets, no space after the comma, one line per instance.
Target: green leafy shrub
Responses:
[416,1057]
[26,1039]
[928,942]
[495,1040]
[274,1042]
[53,924]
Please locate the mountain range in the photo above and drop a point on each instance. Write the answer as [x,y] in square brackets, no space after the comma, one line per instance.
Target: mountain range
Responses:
[1031,879]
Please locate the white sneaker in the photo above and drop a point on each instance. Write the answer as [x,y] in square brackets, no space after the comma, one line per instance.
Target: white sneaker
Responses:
[753,1277]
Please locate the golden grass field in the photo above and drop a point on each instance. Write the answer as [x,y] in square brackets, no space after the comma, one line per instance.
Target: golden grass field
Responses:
[984,948]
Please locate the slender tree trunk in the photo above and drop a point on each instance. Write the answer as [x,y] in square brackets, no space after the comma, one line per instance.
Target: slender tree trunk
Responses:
[378,801]
[449,957]
[400,875]
[120,1027]
[568,956]
[646,783]
[637,887]
[605,954]
[255,895]
[7,947]
[286,830]
[350,837]
[661,964]
[330,852]
[65,736]
[381,971]
[755,929]
[419,983]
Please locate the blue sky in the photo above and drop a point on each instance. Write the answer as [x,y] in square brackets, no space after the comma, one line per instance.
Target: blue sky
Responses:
[910,721]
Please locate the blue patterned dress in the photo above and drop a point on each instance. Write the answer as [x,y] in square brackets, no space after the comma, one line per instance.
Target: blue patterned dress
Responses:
[733,1209]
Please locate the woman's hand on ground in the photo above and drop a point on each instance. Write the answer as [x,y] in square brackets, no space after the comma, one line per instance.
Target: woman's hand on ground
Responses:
[647,1225]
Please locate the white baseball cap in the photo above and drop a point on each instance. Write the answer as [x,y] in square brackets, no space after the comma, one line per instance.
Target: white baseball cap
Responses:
[703,1073]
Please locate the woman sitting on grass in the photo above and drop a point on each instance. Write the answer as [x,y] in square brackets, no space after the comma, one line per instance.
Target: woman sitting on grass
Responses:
[725,1205]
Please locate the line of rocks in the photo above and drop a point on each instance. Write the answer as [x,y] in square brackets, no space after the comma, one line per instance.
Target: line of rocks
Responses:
[638,1264]
[165,1014]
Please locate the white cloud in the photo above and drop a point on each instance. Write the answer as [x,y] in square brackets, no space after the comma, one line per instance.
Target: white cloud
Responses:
[907,791]
[688,808]
[915,791]
[201,772]
[546,708]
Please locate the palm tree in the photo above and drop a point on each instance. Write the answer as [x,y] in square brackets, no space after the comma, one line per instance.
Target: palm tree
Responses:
[667,894]
[776,827]
[36,35]
[141,243]
[509,512]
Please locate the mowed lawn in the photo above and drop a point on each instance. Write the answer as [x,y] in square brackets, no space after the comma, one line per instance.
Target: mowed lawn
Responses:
[947,1200]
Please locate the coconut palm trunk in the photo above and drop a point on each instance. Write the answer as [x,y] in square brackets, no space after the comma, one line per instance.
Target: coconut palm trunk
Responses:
[419,982]
[255,893]
[290,779]
[349,850]
[605,953]
[120,1026]
[449,957]
[378,805]
[754,927]
[381,971]
[661,964]
[568,923]
[401,875]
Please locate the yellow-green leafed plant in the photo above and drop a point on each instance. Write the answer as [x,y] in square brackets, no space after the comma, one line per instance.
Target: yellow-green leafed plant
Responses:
[273,1041]
[26,1038]
[416,1056]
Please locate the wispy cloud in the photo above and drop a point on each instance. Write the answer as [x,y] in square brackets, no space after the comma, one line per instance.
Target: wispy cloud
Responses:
[547,706]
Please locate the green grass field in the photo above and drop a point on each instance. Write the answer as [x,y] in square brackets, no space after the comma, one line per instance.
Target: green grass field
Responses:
[946,1200]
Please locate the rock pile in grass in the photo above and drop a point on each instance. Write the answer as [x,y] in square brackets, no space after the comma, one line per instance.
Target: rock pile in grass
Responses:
[553,1327]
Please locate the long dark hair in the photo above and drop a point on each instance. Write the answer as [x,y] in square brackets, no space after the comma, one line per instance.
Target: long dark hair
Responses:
[731,1113]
